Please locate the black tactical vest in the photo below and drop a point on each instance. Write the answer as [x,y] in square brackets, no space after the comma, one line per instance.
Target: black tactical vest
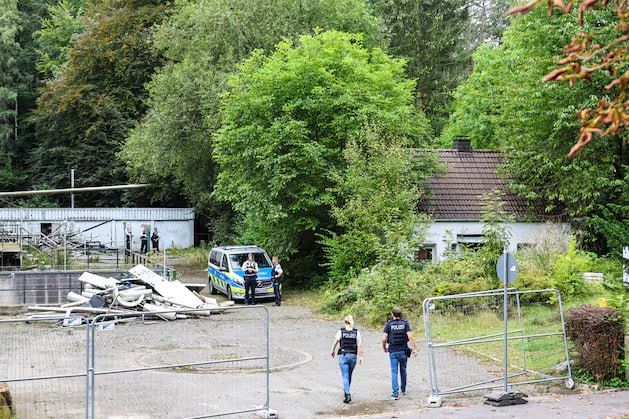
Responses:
[397,335]
[349,341]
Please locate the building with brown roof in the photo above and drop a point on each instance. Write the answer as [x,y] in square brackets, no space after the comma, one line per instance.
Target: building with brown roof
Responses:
[458,198]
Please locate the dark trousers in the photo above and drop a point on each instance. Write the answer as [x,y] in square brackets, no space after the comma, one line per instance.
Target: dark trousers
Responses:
[144,245]
[278,292]
[250,287]
[155,244]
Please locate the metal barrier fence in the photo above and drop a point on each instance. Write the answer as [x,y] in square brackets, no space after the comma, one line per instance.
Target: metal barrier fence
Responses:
[461,329]
[45,366]
[48,287]
[203,364]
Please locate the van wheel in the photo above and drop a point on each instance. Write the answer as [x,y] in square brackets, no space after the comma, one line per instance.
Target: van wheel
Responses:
[230,297]
[211,287]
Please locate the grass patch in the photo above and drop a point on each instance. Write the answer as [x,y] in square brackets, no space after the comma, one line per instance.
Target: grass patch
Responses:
[195,257]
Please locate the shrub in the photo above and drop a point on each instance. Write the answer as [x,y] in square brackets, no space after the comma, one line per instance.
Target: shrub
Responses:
[597,334]
[568,270]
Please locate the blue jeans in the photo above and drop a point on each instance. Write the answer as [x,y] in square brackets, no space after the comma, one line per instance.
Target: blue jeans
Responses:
[398,360]
[347,363]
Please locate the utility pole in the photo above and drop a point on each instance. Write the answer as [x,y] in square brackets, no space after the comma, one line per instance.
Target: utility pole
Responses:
[72,186]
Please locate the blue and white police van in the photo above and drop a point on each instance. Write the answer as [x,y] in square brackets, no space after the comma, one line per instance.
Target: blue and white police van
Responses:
[225,275]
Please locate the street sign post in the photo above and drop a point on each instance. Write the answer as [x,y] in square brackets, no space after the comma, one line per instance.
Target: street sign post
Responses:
[507,270]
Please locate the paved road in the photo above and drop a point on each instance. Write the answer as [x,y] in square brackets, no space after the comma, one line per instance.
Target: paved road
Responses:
[604,405]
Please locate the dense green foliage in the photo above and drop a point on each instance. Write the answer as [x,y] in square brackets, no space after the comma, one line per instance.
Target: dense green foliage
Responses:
[376,209]
[18,78]
[204,42]
[430,35]
[286,122]
[57,35]
[505,105]
[84,115]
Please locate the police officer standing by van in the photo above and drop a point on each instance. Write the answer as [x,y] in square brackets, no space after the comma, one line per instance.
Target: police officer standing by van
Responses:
[396,335]
[250,268]
[350,349]
[276,276]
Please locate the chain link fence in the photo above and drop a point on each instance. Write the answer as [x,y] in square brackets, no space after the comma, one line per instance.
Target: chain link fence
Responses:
[472,325]
[197,363]
[44,366]
[204,364]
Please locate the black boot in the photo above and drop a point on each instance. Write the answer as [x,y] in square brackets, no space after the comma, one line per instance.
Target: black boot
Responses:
[347,398]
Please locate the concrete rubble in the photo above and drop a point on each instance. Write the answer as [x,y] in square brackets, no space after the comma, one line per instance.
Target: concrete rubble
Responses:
[145,292]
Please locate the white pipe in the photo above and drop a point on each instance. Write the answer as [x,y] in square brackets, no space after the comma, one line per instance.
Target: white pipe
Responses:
[159,311]
[77,309]
[73,297]
[73,190]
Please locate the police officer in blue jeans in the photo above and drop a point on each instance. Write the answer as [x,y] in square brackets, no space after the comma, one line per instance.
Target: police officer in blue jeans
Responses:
[350,348]
[396,335]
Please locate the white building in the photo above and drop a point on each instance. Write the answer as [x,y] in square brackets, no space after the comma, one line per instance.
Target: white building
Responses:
[104,225]
[456,203]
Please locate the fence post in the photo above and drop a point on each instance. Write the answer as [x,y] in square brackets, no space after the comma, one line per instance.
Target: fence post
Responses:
[517,296]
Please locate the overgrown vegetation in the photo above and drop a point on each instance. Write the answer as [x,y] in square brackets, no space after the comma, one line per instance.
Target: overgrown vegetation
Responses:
[598,335]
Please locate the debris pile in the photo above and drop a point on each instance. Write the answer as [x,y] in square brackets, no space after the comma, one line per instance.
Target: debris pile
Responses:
[145,292]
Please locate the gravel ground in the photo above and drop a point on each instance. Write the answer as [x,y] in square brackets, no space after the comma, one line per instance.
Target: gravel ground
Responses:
[305,381]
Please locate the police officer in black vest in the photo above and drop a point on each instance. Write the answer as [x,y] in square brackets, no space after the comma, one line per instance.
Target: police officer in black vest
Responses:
[396,335]
[350,348]
[276,276]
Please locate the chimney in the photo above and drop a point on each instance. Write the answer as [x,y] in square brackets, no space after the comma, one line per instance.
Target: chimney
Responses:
[462,145]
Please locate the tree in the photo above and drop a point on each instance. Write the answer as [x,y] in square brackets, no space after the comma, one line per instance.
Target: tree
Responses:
[487,22]
[10,80]
[377,191]
[593,53]
[429,33]
[203,42]
[84,115]
[505,105]
[287,120]
[18,76]
[57,35]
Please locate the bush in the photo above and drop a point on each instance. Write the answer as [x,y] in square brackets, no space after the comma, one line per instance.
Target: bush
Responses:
[598,336]
[371,294]
[568,270]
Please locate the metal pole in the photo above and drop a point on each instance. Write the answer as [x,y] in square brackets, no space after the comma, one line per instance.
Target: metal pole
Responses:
[517,296]
[563,329]
[506,284]
[72,186]
[164,250]
[268,365]
[65,245]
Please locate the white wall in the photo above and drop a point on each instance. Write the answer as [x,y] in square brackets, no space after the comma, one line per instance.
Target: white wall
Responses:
[174,233]
[438,235]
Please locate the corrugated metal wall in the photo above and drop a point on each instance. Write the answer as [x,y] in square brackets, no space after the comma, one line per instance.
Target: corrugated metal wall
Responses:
[96,214]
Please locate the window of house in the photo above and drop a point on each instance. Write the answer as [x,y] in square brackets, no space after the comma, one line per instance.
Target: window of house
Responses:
[425,254]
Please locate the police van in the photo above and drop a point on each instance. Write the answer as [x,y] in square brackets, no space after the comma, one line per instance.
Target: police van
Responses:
[225,274]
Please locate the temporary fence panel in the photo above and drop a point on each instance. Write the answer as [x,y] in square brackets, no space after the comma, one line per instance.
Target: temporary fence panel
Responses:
[51,287]
[44,363]
[463,329]
[207,364]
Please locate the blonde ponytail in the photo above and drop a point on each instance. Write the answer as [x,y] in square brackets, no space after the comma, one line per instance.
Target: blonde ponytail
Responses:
[349,320]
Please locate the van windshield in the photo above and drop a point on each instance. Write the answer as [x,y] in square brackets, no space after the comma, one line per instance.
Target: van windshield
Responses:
[238,259]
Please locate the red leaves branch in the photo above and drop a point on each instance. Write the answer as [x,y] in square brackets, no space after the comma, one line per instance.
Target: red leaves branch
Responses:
[583,58]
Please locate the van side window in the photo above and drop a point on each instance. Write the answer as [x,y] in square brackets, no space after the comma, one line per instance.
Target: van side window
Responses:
[213,257]
[224,262]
